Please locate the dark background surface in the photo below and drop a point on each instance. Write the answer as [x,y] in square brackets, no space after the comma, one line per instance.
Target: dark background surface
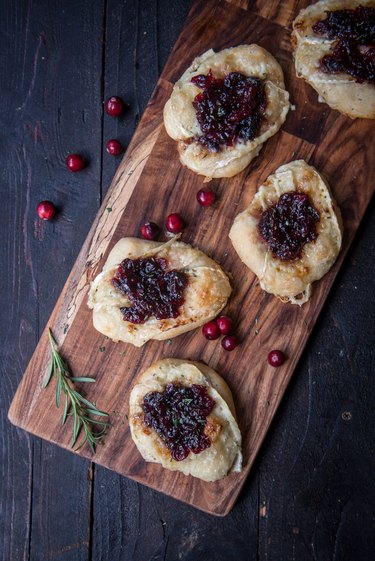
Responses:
[311,493]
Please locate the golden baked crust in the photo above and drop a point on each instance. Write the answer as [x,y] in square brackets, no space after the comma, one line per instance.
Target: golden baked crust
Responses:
[205,296]
[224,454]
[339,91]
[182,125]
[289,280]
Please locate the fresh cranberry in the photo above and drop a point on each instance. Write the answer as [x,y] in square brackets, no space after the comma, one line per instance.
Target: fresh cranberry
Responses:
[211,330]
[114,147]
[276,358]
[229,342]
[225,324]
[46,210]
[174,223]
[114,106]
[150,230]
[75,162]
[206,198]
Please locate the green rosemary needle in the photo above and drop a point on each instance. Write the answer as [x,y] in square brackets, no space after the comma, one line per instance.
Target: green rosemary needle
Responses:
[75,404]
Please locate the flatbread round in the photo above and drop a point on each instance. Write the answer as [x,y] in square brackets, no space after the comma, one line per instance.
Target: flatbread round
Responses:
[180,117]
[339,91]
[224,453]
[289,280]
[205,296]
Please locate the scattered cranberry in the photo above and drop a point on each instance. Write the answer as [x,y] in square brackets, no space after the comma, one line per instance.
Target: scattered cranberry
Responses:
[229,342]
[46,210]
[75,162]
[114,147]
[211,330]
[276,358]
[225,324]
[150,230]
[206,198]
[174,223]
[114,106]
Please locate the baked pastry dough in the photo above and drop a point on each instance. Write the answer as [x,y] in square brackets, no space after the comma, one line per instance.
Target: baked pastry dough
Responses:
[290,280]
[340,91]
[182,124]
[224,453]
[205,295]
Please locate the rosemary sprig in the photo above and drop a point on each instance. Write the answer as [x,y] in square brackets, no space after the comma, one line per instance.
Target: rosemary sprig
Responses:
[75,404]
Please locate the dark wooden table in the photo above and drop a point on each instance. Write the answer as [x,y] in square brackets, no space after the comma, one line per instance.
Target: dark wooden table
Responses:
[311,492]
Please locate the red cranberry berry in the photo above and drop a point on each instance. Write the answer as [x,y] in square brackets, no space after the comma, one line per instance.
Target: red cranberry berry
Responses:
[276,358]
[46,210]
[225,324]
[114,147]
[114,106]
[211,331]
[229,342]
[206,198]
[75,162]
[150,230]
[174,223]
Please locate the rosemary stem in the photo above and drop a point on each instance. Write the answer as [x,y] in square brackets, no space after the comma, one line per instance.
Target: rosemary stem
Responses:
[84,412]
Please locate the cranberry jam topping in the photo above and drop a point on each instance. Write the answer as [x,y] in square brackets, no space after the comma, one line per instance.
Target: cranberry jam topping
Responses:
[152,290]
[178,415]
[354,52]
[288,225]
[228,108]
[357,24]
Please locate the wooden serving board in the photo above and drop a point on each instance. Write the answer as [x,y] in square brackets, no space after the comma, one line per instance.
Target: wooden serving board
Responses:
[149,184]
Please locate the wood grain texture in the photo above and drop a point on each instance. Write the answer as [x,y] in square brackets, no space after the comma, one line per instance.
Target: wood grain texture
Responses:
[151,173]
